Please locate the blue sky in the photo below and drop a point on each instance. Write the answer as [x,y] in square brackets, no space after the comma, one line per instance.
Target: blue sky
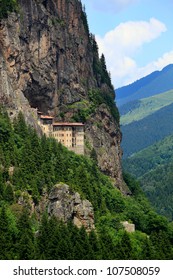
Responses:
[136,36]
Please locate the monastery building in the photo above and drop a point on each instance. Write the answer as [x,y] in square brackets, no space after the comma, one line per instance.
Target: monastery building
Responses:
[71,135]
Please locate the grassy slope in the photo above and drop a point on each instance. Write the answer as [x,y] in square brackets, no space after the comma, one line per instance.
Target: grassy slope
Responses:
[147,107]
[143,133]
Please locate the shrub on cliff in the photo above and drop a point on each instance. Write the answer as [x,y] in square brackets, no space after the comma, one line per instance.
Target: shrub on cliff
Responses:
[6,7]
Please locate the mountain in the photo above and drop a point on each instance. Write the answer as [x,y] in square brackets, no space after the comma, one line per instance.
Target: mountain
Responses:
[139,109]
[147,119]
[146,125]
[155,83]
[139,134]
[55,204]
[49,61]
[85,217]
[153,167]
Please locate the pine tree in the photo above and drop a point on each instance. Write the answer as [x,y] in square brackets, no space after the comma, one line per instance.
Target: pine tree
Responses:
[107,246]
[147,250]
[45,232]
[9,194]
[95,246]
[25,245]
[105,75]
[124,249]
[162,245]
[94,156]
[6,238]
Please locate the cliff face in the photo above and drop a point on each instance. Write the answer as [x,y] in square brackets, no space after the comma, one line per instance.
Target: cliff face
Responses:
[67,205]
[48,61]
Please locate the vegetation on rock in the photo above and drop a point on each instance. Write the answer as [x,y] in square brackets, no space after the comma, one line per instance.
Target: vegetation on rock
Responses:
[6,7]
[39,163]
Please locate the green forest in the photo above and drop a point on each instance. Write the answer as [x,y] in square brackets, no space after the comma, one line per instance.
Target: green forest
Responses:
[147,131]
[153,167]
[139,109]
[30,166]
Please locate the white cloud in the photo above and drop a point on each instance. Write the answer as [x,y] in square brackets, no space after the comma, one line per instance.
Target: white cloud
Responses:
[159,64]
[121,44]
[113,6]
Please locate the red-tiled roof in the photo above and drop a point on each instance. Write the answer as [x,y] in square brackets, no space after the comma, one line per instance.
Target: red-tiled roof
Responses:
[46,117]
[67,124]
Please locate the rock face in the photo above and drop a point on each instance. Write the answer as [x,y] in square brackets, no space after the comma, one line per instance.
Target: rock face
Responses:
[67,205]
[48,61]
[129,227]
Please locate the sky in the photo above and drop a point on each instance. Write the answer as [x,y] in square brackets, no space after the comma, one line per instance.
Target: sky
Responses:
[136,36]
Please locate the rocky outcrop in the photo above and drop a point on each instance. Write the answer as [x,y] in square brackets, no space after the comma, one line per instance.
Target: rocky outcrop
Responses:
[46,62]
[67,205]
[129,227]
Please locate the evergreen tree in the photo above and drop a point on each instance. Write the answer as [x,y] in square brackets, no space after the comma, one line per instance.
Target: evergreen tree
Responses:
[124,249]
[95,246]
[9,194]
[25,244]
[43,238]
[162,245]
[105,75]
[94,155]
[64,246]
[1,185]
[86,249]
[107,246]
[6,237]
[147,250]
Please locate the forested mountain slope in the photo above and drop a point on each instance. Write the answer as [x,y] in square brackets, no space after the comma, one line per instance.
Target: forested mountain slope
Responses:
[155,83]
[147,130]
[139,109]
[153,167]
[49,61]
[30,166]
[143,133]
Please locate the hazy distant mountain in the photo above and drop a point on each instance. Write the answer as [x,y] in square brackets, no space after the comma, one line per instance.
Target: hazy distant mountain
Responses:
[146,110]
[155,83]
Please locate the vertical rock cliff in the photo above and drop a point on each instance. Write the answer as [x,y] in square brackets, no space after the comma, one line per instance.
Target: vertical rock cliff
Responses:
[49,61]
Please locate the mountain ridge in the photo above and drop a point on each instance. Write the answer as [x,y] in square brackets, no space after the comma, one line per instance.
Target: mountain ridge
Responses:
[145,132]
[154,83]
[55,204]
[136,110]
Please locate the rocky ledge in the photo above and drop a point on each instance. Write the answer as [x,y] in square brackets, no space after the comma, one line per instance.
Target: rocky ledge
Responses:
[67,205]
